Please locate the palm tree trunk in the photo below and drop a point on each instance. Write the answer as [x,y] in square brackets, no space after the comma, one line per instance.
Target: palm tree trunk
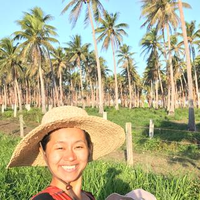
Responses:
[115,74]
[42,90]
[156,99]
[171,110]
[191,120]
[97,60]
[130,89]
[197,87]
[15,100]
[53,80]
[18,94]
[81,81]
[61,89]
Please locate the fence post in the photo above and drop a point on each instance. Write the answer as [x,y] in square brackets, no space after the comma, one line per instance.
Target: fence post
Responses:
[129,144]
[105,115]
[2,108]
[21,122]
[151,129]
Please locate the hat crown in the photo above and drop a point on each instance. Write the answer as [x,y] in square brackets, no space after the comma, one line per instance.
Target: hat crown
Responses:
[61,113]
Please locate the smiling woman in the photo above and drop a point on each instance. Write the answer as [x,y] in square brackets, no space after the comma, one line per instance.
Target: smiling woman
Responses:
[65,142]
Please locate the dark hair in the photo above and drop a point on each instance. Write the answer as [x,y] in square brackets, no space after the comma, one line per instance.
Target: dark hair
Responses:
[47,138]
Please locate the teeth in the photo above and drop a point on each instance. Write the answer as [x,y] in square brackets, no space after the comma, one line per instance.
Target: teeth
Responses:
[68,167]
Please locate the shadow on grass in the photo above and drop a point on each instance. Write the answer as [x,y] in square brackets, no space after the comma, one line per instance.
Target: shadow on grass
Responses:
[175,140]
[113,184]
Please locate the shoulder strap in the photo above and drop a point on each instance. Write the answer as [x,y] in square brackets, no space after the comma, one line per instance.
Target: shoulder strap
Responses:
[43,196]
[51,193]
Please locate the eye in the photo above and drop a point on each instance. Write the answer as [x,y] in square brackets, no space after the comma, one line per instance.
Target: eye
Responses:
[79,147]
[59,148]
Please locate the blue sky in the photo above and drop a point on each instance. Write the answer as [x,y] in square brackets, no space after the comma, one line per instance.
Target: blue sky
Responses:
[12,10]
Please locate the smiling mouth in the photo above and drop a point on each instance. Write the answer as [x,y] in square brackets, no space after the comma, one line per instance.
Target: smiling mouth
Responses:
[69,168]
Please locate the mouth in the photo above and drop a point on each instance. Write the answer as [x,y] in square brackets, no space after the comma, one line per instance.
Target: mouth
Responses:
[70,168]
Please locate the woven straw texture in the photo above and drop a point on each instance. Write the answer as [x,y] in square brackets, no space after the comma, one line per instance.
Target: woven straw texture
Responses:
[106,136]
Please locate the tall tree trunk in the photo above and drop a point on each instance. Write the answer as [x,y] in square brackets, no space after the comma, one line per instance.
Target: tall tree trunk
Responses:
[191,119]
[156,99]
[97,60]
[81,81]
[55,91]
[130,88]
[115,75]
[61,89]
[92,92]
[15,100]
[196,87]
[18,94]
[171,110]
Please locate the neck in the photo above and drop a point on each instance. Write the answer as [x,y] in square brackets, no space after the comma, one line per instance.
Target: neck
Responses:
[76,186]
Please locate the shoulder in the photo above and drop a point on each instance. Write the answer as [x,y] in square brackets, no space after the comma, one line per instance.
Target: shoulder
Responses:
[43,196]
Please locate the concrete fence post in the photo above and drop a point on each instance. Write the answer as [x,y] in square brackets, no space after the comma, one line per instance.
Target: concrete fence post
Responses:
[21,122]
[105,115]
[129,144]
[151,129]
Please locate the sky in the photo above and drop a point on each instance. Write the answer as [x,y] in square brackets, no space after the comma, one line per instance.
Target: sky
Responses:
[130,11]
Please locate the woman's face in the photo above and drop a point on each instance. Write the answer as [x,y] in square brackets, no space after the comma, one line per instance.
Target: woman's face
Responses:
[67,155]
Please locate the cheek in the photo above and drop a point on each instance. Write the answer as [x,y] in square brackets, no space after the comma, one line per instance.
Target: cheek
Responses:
[84,155]
[54,157]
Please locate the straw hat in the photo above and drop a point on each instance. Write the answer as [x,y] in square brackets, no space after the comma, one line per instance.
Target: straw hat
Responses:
[138,194]
[106,136]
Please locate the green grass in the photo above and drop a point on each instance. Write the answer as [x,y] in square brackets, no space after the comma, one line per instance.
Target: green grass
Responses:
[170,135]
[103,177]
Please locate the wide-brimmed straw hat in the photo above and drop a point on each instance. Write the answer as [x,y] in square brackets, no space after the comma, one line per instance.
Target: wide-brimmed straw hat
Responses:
[106,136]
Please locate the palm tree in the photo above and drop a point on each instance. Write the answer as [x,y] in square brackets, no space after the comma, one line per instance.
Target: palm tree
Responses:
[161,13]
[151,46]
[10,64]
[125,57]
[191,119]
[193,39]
[36,38]
[74,15]
[112,33]
[77,53]
[59,63]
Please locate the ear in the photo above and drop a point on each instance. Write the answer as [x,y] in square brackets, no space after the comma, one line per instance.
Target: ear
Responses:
[42,152]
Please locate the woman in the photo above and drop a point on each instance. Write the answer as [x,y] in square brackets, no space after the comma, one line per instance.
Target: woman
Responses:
[65,142]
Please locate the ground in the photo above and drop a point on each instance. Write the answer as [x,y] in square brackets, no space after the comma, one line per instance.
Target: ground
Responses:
[148,161]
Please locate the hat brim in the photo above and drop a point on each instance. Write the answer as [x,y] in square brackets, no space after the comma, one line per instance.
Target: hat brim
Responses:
[106,137]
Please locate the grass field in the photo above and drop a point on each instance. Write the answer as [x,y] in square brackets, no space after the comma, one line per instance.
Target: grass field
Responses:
[104,177]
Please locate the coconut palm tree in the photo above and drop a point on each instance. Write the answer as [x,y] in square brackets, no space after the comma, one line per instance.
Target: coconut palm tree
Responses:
[111,34]
[162,15]
[151,46]
[77,53]
[193,40]
[59,61]
[125,58]
[97,8]
[191,119]
[35,35]
[10,64]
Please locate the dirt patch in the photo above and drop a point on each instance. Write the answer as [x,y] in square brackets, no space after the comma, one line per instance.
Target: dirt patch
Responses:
[146,160]
[13,127]
[159,163]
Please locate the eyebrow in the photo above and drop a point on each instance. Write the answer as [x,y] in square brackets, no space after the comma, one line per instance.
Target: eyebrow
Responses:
[57,142]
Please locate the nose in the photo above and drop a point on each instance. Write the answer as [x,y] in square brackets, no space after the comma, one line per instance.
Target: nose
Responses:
[69,155]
